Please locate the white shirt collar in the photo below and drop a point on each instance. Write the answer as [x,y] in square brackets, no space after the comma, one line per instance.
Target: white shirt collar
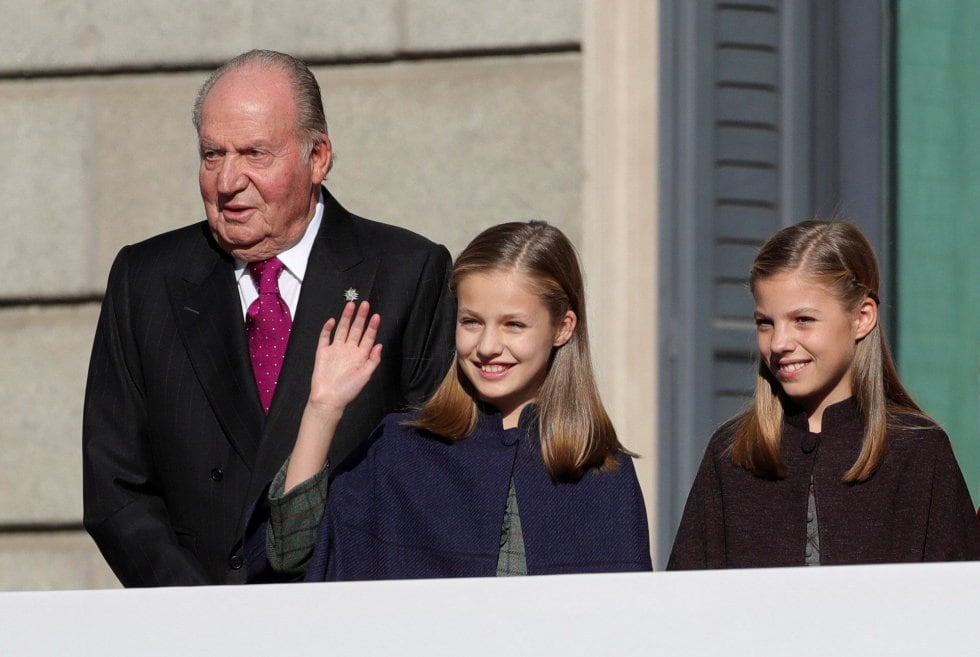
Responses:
[297,256]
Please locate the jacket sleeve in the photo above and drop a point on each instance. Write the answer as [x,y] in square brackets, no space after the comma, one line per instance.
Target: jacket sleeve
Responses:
[124,510]
[293,520]
[953,533]
[429,333]
[700,539]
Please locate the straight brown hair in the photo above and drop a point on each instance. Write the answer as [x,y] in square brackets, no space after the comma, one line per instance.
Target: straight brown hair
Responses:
[575,431]
[838,255]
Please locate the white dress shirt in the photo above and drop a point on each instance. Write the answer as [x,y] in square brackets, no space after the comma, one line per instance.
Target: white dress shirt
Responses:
[294,258]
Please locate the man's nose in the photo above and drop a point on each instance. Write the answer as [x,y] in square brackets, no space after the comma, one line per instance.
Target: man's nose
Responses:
[231,176]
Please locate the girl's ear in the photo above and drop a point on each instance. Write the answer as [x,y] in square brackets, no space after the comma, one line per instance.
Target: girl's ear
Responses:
[867,318]
[566,328]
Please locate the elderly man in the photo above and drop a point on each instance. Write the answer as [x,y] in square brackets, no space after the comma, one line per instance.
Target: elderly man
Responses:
[201,364]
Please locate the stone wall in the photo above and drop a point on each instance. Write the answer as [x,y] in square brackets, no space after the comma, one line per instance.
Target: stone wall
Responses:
[446,116]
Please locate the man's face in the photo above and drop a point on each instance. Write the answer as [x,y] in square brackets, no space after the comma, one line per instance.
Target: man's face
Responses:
[258,185]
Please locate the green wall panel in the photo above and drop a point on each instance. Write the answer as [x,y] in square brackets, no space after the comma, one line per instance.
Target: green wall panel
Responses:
[938,216]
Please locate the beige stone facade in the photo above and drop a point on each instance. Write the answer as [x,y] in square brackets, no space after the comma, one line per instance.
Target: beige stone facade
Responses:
[446,116]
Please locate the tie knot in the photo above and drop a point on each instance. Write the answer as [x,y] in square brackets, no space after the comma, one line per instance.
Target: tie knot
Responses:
[265,274]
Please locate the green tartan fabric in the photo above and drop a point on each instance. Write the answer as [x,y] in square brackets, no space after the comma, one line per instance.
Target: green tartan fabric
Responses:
[512,559]
[812,557]
[295,517]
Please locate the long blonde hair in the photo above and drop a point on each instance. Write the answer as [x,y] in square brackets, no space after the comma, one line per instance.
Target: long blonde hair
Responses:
[839,256]
[575,431]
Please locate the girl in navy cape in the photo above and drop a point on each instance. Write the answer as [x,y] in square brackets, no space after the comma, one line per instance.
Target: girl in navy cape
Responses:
[833,463]
[511,468]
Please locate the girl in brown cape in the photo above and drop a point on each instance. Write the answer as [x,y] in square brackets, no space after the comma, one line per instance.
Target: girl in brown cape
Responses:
[833,463]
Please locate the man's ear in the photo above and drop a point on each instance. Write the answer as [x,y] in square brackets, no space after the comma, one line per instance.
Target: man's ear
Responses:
[566,328]
[321,158]
[867,318]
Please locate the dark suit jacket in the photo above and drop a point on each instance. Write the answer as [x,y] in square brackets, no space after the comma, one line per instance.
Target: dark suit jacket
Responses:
[175,444]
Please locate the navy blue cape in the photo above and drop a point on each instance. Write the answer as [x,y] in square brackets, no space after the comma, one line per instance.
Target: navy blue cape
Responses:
[415,506]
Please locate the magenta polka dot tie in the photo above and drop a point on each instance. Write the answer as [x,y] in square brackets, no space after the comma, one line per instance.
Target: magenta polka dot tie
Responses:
[268,324]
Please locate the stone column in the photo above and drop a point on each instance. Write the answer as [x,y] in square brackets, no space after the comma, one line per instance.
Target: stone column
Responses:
[620,48]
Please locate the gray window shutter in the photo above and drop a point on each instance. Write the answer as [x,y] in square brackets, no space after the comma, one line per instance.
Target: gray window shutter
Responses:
[743,84]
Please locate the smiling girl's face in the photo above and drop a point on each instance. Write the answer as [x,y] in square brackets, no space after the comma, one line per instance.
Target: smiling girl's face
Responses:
[807,339]
[504,339]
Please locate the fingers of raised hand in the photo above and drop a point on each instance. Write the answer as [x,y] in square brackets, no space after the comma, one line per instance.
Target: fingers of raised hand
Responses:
[357,326]
[344,324]
[370,333]
[326,331]
[348,344]
[373,360]
[354,328]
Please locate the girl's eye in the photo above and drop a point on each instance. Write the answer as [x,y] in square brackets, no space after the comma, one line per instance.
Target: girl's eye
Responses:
[515,325]
[467,321]
[762,323]
[804,320]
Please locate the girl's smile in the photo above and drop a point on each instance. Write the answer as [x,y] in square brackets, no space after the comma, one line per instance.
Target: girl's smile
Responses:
[789,371]
[493,371]
[504,339]
[807,339]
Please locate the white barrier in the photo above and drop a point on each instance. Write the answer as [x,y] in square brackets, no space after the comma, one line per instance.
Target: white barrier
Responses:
[899,610]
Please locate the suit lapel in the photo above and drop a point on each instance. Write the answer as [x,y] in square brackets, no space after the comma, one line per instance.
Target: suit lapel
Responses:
[208,312]
[337,264]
